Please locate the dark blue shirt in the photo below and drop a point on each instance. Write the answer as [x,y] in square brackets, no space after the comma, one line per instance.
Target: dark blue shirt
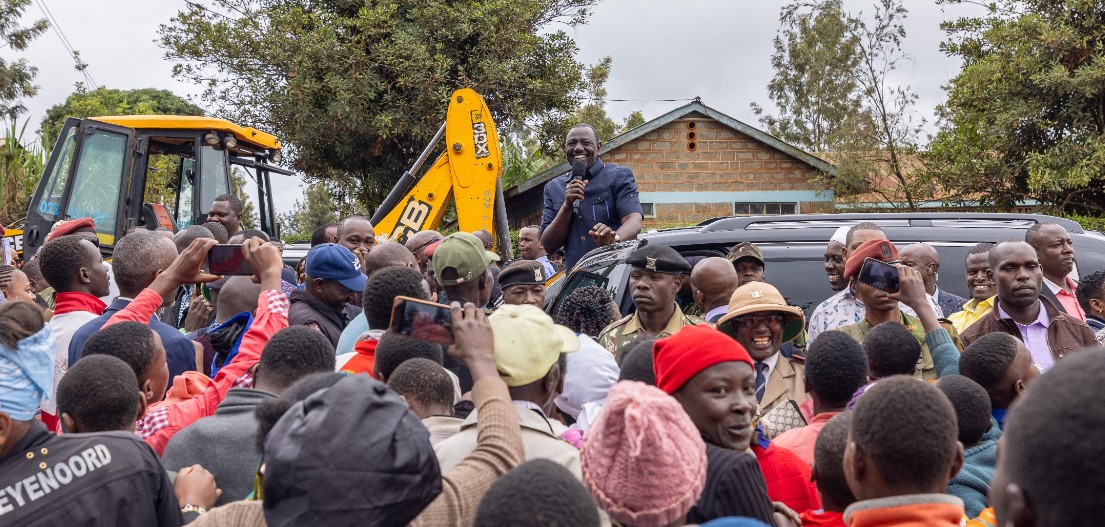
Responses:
[179,350]
[610,195]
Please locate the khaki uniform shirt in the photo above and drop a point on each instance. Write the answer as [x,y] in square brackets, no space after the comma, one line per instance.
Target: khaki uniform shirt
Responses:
[786,383]
[926,369]
[622,331]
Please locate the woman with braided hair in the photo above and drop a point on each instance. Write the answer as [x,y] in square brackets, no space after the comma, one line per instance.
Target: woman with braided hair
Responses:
[15,286]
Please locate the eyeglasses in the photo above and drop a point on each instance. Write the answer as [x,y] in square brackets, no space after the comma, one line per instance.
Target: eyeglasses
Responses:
[751,322]
[584,144]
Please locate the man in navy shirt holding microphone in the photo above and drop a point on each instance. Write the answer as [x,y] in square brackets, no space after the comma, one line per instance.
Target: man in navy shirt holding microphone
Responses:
[593,205]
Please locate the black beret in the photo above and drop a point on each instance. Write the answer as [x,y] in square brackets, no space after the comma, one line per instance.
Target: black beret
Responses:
[660,259]
[522,272]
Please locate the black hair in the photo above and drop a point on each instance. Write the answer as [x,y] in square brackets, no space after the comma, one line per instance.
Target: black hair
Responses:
[587,310]
[132,342]
[971,404]
[891,350]
[637,361]
[293,353]
[269,412]
[828,459]
[538,492]
[593,131]
[62,258]
[218,231]
[101,393]
[19,320]
[907,429]
[253,233]
[341,223]
[395,349]
[234,201]
[981,248]
[1033,232]
[988,359]
[34,272]
[6,272]
[862,226]
[1090,287]
[424,381]
[318,237]
[1051,439]
[189,234]
[137,258]
[836,367]
[381,289]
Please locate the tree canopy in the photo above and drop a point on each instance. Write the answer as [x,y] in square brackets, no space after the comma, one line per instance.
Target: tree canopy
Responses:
[357,88]
[107,101]
[1025,118]
[835,93]
[17,77]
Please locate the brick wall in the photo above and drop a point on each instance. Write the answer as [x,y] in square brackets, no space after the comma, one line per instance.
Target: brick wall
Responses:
[717,159]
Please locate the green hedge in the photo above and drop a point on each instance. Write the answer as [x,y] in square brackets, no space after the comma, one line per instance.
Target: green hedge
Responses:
[1090,223]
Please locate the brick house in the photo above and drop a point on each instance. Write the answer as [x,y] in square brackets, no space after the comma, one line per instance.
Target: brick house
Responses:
[696,163]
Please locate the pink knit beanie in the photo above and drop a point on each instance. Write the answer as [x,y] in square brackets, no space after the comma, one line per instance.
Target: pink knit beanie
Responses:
[643,459]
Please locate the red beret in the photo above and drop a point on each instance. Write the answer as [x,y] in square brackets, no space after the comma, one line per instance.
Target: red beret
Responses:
[430,249]
[678,358]
[63,228]
[877,249]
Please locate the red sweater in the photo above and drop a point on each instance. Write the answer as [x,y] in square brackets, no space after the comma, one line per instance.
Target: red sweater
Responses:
[158,426]
[787,477]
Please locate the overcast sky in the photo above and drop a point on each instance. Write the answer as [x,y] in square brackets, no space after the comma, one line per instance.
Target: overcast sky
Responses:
[715,49]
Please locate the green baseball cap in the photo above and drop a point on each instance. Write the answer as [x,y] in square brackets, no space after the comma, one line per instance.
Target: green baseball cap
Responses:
[465,254]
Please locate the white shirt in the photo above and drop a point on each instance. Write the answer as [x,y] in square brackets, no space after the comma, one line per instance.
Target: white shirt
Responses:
[719,310]
[771,362]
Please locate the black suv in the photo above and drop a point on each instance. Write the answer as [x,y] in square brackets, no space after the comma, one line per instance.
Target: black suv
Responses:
[794,247]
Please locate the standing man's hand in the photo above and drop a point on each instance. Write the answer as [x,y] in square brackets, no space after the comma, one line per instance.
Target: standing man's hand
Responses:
[362,256]
[911,292]
[602,234]
[573,191]
[185,269]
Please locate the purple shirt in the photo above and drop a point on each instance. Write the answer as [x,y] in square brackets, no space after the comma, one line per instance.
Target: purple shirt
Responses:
[1034,336]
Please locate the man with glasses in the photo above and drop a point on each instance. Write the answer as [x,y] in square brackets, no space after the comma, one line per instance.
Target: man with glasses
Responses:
[609,207]
[761,321]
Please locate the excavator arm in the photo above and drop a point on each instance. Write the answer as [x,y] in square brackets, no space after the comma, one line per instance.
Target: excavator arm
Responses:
[469,172]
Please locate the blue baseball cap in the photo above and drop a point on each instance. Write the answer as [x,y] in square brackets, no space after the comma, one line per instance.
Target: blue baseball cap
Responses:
[332,261]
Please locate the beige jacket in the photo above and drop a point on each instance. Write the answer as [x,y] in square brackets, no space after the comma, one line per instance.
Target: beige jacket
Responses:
[785,383]
[540,436]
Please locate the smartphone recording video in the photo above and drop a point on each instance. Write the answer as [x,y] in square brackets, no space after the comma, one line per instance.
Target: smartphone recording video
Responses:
[879,274]
[227,259]
[422,320]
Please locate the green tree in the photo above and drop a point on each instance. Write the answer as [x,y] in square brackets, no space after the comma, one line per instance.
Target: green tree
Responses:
[835,89]
[815,86]
[359,87]
[309,213]
[21,166]
[1025,118]
[238,184]
[106,101]
[17,77]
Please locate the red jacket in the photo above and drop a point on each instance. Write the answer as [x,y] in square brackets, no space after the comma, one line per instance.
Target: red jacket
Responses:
[788,478]
[159,425]
[816,519]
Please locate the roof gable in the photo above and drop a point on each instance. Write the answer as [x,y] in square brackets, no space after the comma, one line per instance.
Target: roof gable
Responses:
[695,106]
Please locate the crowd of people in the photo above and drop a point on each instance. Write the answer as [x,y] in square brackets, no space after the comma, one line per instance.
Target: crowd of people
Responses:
[149,392]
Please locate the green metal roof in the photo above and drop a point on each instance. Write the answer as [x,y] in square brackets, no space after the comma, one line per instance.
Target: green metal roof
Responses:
[683,111]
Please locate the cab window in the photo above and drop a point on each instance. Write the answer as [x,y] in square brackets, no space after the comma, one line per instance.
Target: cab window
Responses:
[56,179]
[97,179]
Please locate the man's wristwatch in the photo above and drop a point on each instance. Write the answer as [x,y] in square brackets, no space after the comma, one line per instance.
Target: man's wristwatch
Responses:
[192,508]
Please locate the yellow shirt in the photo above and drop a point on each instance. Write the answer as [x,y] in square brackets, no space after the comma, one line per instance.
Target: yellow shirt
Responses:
[972,311]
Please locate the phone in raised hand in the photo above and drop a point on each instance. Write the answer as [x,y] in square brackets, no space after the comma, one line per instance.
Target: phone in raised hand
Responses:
[422,319]
[228,259]
[879,274]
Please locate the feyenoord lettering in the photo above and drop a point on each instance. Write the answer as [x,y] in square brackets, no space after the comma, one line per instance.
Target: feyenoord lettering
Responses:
[52,478]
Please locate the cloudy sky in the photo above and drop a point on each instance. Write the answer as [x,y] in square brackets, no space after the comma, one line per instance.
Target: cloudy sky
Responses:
[715,49]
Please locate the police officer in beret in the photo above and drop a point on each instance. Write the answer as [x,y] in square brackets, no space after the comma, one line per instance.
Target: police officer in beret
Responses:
[523,282]
[655,278]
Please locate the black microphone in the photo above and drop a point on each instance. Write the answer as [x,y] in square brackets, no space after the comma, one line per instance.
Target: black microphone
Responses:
[579,168]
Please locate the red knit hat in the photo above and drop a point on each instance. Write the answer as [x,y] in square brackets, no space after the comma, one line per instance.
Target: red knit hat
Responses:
[877,249]
[643,459]
[683,355]
[66,227]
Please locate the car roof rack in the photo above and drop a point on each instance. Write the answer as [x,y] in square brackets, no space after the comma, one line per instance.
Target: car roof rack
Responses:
[885,220]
